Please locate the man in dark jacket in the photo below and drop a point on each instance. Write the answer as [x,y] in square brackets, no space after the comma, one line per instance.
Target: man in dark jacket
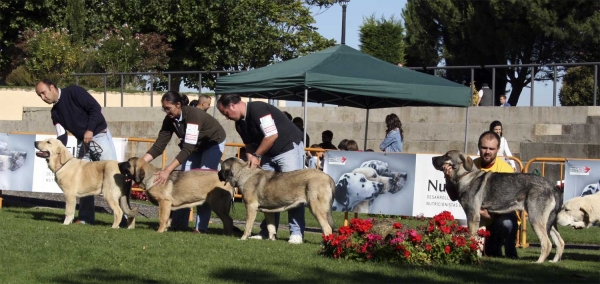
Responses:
[77,112]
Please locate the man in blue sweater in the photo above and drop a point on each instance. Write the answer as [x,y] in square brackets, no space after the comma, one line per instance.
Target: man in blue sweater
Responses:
[76,111]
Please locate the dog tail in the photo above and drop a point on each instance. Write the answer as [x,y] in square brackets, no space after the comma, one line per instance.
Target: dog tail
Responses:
[330,214]
[124,201]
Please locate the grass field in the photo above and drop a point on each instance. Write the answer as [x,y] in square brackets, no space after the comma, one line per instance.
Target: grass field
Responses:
[37,248]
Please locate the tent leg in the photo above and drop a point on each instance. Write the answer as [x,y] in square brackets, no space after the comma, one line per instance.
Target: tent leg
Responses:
[467,130]
[366,130]
[305,115]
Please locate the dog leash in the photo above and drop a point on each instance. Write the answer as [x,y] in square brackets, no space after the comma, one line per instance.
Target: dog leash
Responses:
[61,166]
[94,150]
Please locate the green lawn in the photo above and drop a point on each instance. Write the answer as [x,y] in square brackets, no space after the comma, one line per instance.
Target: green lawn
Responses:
[37,248]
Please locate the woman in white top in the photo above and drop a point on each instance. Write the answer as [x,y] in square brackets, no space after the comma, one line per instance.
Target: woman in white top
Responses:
[496,126]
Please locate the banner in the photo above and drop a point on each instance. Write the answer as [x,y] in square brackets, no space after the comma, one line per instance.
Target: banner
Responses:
[582,177]
[21,170]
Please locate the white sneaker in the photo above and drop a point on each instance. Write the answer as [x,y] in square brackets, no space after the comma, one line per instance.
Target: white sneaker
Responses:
[295,239]
[257,237]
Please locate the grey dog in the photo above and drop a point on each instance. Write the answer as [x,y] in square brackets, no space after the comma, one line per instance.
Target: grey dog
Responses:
[502,193]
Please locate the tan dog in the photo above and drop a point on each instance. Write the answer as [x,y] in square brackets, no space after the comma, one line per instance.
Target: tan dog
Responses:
[271,192]
[581,212]
[79,178]
[182,190]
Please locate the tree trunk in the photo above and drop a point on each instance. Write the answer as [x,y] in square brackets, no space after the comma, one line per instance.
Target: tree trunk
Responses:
[175,82]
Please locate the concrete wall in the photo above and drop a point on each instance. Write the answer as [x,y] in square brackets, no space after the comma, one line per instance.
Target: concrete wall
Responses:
[569,132]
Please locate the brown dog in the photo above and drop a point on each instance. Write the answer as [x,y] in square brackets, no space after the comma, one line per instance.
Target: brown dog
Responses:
[271,192]
[79,178]
[182,190]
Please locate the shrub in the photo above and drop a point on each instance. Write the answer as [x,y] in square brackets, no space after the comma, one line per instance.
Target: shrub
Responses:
[20,77]
[442,241]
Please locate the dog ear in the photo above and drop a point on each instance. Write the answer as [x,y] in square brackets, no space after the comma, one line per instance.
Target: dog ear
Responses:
[139,174]
[341,191]
[586,209]
[467,162]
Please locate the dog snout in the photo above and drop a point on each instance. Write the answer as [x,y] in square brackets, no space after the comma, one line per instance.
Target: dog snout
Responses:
[124,168]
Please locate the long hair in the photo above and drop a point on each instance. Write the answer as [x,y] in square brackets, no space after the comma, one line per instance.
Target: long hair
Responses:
[174,98]
[392,121]
[496,123]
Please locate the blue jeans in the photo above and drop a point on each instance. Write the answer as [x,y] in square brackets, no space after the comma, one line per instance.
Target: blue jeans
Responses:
[291,160]
[206,158]
[104,140]
[503,231]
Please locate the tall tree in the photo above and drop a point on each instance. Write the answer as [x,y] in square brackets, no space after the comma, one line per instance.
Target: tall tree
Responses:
[471,32]
[75,15]
[382,38]
[578,87]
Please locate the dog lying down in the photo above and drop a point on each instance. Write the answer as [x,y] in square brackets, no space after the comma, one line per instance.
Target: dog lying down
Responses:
[271,192]
[182,190]
[581,212]
[79,178]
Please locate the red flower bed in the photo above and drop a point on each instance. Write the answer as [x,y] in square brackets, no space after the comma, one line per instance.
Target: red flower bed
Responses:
[441,241]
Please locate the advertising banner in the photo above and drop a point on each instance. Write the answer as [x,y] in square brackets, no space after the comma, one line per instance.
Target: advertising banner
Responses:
[21,170]
[582,177]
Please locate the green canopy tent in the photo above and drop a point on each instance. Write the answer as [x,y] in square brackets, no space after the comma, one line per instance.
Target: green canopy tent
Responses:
[344,76]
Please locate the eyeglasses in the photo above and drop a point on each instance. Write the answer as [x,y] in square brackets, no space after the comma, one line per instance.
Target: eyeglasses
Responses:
[167,109]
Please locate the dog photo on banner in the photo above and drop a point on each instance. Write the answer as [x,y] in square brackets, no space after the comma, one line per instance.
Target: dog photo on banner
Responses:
[369,182]
[582,177]
[15,161]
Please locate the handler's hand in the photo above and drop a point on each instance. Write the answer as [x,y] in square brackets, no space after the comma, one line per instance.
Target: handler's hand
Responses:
[253,162]
[485,214]
[447,170]
[161,177]
[87,136]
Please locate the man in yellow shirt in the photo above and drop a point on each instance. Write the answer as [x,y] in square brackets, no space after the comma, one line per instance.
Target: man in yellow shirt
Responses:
[503,227]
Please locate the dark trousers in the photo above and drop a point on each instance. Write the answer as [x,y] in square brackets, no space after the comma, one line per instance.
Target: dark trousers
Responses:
[503,231]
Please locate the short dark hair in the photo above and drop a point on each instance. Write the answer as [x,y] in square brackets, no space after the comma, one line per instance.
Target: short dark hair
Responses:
[47,82]
[503,95]
[194,103]
[488,134]
[342,144]
[204,97]
[351,145]
[288,115]
[328,133]
[227,99]
[174,98]
[298,119]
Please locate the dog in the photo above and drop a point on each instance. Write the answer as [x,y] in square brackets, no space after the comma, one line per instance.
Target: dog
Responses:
[392,183]
[182,190]
[502,193]
[79,178]
[591,189]
[581,212]
[271,192]
[10,159]
[379,166]
[354,192]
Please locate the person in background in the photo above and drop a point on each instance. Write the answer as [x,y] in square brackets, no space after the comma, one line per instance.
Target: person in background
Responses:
[313,159]
[394,135]
[202,141]
[342,145]
[204,102]
[76,111]
[327,137]
[503,151]
[288,115]
[351,145]
[300,124]
[485,96]
[194,103]
[503,102]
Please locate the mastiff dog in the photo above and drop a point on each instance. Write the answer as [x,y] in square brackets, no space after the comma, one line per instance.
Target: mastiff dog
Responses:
[581,212]
[79,178]
[501,193]
[272,192]
[182,190]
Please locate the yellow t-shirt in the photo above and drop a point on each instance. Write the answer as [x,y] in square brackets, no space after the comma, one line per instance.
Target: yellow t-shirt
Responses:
[499,166]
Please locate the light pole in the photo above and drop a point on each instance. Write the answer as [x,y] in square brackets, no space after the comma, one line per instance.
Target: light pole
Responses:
[344,3]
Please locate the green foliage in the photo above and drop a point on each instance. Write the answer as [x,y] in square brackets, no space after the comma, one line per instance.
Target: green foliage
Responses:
[578,87]
[50,51]
[383,38]
[472,32]
[75,19]
[19,77]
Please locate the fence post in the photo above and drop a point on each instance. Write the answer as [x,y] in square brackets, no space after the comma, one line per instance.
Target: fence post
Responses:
[104,90]
[76,80]
[169,85]
[122,96]
[595,82]
[200,85]
[494,86]
[532,84]
[151,90]
[554,87]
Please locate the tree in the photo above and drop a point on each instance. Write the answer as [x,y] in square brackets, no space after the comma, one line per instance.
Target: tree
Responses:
[472,32]
[75,19]
[383,39]
[578,87]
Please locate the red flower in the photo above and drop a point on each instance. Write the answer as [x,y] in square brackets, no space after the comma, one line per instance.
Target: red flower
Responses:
[416,239]
[473,246]
[447,249]
[445,229]
[459,241]
[328,238]
[345,230]
[483,233]
[431,229]
[397,225]
[427,247]
[407,254]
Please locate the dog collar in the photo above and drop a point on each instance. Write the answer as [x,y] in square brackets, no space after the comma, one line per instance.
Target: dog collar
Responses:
[61,166]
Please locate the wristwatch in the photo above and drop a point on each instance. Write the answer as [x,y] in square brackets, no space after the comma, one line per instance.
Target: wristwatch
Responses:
[255,155]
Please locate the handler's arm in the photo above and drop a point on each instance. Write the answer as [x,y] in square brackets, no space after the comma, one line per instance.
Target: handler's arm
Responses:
[164,136]
[266,144]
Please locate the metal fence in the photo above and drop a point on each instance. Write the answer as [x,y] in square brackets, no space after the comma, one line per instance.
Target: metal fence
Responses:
[424,69]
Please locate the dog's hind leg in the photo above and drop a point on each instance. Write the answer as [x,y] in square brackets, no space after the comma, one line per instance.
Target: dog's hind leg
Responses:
[559,242]
[540,230]
[323,215]
[70,203]
[270,220]
[117,211]
[164,207]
